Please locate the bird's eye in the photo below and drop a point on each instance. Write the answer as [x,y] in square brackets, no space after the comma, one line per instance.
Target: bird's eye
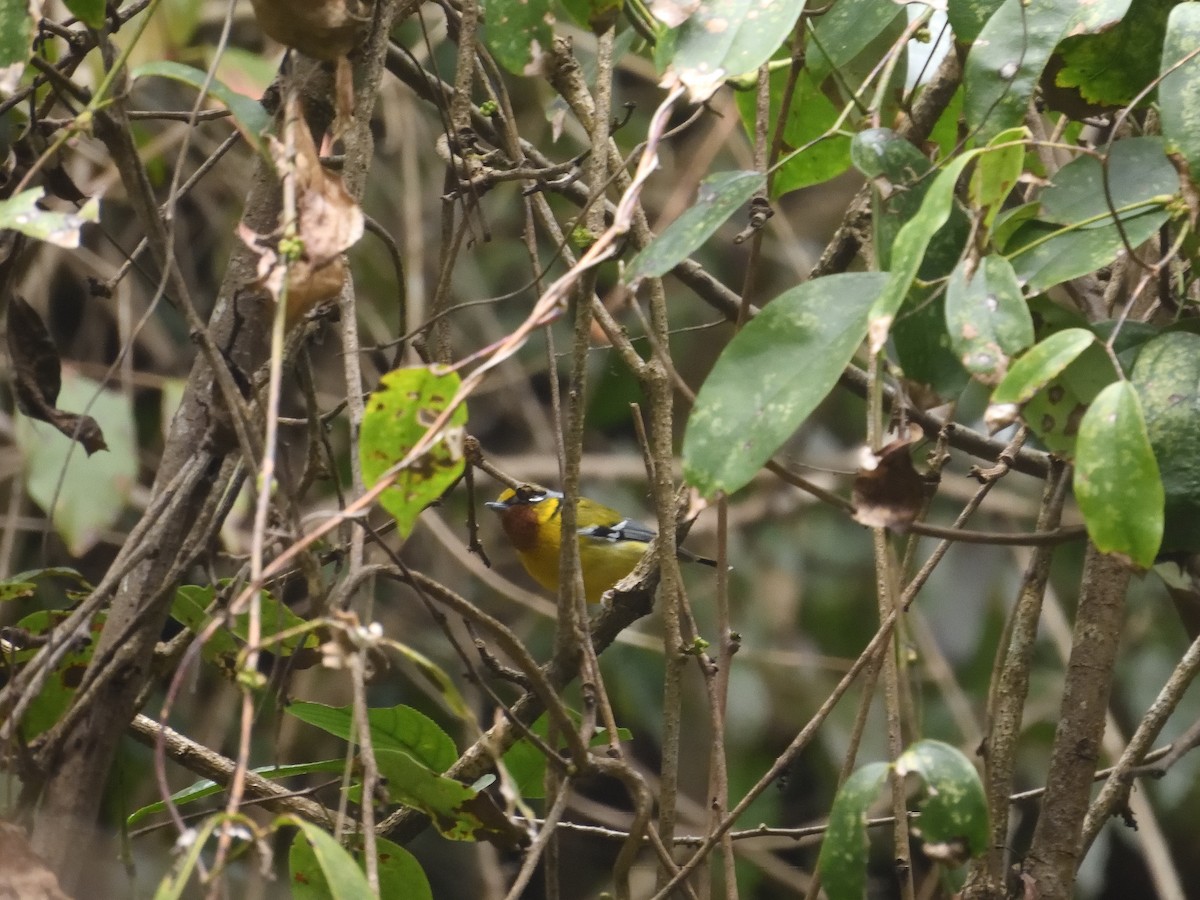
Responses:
[526,494]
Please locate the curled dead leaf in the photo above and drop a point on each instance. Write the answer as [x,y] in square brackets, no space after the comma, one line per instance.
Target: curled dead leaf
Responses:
[37,377]
[328,222]
[890,493]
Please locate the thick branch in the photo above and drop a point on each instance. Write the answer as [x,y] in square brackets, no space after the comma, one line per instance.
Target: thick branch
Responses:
[1054,856]
[79,756]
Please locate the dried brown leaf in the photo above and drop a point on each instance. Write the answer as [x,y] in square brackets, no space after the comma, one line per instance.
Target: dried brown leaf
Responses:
[891,494]
[37,377]
[37,369]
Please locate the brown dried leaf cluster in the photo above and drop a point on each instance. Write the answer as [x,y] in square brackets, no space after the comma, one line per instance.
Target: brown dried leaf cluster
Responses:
[891,494]
[328,223]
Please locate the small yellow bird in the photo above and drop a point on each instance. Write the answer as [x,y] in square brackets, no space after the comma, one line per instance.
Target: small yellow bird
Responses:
[610,545]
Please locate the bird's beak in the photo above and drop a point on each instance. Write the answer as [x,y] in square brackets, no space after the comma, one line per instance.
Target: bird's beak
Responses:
[496,505]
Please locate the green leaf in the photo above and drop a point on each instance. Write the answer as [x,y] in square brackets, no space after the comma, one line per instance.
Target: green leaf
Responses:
[1167,379]
[16,37]
[248,114]
[967,18]
[391,728]
[173,884]
[1008,221]
[997,172]
[459,812]
[398,415]
[58,692]
[725,38]
[1117,484]
[772,376]
[517,31]
[1179,92]
[17,590]
[901,181]
[1054,412]
[89,12]
[437,677]
[987,318]
[190,608]
[843,860]
[1044,255]
[321,868]
[954,811]
[718,198]
[845,30]
[205,788]
[1034,370]
[922,345]
[1139,176]
[88,493]
[1012,49]
[1110,68]
[22,213]
[812,155]
[908,251]
[526,764]
[400,875]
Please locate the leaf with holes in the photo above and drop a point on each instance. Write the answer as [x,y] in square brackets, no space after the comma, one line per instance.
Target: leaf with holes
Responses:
[987,318]
[398,416]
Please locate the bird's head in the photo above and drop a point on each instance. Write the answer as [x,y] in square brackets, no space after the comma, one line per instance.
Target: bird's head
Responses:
[523,510]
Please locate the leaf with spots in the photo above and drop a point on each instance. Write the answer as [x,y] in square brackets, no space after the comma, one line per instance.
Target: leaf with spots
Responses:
[843,860]
[954,814]
[24,213]
[1054,412]
[28,636]
[400,875]
[407,403]
[724,38]
[1034,370]
[718,198]
[1117,481]
[1140,179]
[17,25]
[518,32]
[1012,50]
[772,376]
[987,318]
[1046,254]
[915,248]
[321,867]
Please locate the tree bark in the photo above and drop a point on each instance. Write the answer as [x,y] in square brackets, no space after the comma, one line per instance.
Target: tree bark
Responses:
[79,752]
[1055,853]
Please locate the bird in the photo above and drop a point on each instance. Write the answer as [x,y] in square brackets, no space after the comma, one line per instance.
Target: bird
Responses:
[610,545]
